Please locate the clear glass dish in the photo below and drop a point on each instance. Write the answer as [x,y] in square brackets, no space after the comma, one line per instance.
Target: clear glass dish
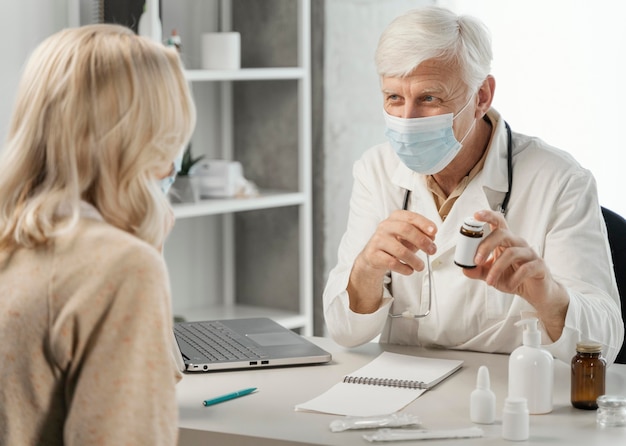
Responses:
[611,410]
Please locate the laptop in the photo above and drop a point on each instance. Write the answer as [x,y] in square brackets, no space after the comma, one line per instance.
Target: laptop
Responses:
[206,346]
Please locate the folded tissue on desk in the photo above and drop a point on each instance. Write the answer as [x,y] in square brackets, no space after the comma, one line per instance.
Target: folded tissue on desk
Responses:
[392,420]
[422,434]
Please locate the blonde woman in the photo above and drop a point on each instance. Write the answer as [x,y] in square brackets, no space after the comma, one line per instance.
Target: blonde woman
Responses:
[85,314]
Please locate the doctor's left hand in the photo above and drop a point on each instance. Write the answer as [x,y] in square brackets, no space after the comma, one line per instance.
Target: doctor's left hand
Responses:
[506,262]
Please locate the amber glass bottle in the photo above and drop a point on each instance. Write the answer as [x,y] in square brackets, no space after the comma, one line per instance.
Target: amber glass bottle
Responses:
[588,375]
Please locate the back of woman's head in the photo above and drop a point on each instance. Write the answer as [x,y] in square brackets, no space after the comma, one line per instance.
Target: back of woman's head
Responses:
[99,111]
[435,33]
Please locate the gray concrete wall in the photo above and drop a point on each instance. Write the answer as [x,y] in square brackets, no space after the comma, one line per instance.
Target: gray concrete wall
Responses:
[352,115]
[266,141]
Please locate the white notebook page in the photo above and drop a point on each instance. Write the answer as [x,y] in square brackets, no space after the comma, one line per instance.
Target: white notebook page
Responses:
[367,400]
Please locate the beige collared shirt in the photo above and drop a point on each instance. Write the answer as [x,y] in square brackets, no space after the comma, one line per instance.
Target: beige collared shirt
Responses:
[444,203]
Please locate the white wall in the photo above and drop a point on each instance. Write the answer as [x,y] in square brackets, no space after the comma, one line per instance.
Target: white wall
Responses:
[353,120]
[24,24]
[560,67]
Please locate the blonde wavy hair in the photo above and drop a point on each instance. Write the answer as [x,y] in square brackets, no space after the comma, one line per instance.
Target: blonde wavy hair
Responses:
[99,112]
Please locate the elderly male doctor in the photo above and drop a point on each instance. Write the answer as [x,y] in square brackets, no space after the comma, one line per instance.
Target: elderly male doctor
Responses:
[451,156]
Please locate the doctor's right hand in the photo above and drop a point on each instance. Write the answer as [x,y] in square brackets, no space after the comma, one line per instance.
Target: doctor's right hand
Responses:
[392,247]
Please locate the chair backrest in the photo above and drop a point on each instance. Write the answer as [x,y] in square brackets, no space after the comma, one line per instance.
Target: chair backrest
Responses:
[616,228]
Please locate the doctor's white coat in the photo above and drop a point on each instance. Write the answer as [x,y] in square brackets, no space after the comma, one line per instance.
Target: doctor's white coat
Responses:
[553,206]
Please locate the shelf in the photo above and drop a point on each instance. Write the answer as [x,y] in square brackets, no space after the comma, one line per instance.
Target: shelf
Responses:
[288,319]
[195,296]
[267,199]
[246,74]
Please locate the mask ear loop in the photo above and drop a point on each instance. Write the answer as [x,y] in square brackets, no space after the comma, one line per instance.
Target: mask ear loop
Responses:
[408,313]
[473,123]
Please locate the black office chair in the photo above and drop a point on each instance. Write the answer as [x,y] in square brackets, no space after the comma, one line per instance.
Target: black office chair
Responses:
[616,228]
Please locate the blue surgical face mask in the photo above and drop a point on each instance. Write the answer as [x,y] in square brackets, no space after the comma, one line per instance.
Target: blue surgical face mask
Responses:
[167,182]
[426,145]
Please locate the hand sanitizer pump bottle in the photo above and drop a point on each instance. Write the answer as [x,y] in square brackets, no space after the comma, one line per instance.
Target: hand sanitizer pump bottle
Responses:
[531,370]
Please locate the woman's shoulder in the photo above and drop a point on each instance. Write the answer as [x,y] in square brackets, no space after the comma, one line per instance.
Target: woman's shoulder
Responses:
[112,247]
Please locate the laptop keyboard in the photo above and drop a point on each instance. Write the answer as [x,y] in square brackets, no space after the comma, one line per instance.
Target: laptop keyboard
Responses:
[217,342]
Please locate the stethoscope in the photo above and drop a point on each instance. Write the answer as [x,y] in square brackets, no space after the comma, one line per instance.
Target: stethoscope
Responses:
[502,208]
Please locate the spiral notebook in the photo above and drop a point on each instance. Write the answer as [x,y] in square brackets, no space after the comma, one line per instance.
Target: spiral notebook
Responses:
[383,386]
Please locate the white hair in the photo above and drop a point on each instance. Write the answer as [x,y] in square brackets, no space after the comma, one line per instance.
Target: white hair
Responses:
[435,33]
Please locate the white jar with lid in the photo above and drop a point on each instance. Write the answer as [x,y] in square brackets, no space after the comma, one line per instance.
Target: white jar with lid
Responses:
[515,419]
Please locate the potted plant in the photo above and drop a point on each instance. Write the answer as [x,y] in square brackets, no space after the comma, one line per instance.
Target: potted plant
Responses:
[184,189]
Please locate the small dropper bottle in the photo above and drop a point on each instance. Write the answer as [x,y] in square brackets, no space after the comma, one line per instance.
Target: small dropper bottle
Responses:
[482,399]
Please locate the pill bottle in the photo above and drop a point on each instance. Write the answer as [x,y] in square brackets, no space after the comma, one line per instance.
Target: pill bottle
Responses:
[515,419]
[470,236]
[588,375]
[611,411]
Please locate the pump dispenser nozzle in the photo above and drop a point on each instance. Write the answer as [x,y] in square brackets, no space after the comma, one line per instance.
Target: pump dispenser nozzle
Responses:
[531,335]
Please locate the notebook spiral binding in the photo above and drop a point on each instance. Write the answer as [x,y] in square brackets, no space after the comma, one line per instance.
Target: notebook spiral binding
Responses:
[387,382]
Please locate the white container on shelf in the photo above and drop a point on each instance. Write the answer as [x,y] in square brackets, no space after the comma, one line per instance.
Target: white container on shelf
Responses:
[218,178]
[221,51]
[150,23]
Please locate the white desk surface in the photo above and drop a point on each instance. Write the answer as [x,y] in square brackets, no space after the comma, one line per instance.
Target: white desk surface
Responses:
[267,417]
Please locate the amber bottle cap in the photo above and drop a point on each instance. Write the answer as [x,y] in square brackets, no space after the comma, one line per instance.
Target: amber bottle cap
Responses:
[589,347]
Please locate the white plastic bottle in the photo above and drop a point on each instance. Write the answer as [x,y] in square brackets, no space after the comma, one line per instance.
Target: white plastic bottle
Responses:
[482,399]
[149,23]
[531,370]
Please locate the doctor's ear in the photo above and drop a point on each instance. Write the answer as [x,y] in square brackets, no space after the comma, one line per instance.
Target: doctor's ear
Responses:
[485,96]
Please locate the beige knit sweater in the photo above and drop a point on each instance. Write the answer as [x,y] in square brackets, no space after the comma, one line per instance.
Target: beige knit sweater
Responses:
[85,342]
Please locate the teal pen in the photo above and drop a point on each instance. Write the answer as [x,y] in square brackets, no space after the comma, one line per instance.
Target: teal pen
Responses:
[228,396]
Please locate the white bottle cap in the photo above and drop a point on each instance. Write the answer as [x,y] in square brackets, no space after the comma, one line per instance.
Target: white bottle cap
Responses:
[482,399]
[471,224]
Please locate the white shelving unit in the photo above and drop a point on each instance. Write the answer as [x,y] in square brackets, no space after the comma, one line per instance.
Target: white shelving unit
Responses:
[247,74]
[268,199]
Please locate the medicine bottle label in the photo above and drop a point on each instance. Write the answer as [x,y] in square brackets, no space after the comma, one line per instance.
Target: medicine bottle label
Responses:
[469,237]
